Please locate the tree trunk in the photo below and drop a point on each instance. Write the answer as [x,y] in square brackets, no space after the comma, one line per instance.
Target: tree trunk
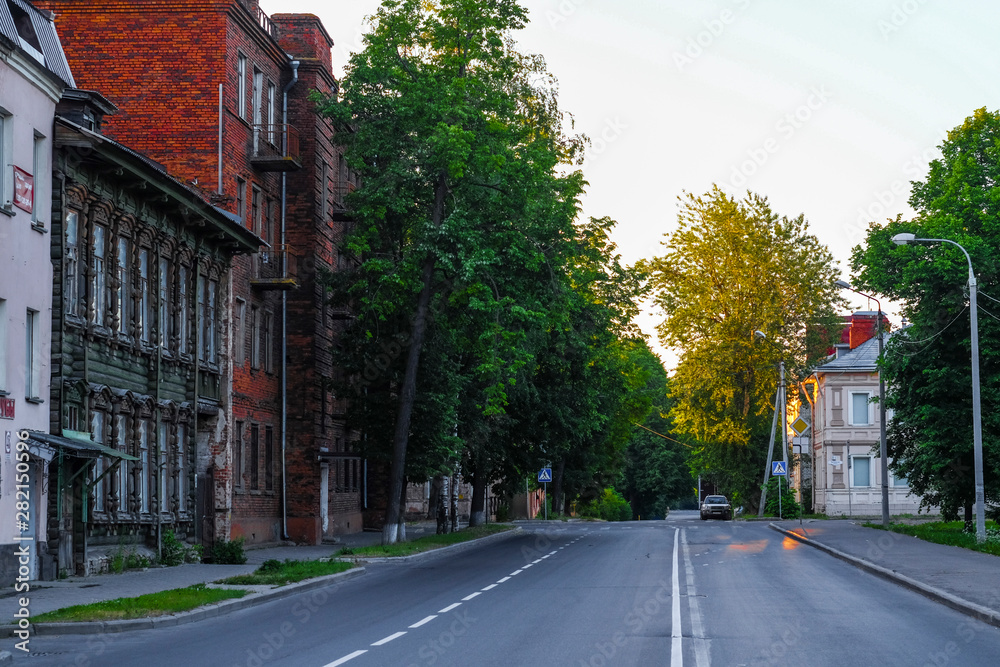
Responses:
[557,485]
[970,524]
[433,497]
[408,392]
[442,507]
[477,512]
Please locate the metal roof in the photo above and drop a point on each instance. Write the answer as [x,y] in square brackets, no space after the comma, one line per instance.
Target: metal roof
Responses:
[44,31]
[862,358]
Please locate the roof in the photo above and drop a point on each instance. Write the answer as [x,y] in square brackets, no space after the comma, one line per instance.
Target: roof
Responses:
[25,28]
[862,358]
[77,444]
[229,229]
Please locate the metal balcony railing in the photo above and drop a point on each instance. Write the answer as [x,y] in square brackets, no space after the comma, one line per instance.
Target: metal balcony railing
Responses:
[273,268]
[275,147]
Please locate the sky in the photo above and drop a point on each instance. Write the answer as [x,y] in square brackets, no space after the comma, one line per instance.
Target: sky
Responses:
[829,109]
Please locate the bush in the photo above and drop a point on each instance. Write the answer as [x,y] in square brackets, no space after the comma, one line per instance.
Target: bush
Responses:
[229,552]
[610,506]
[790,509]
[172,550]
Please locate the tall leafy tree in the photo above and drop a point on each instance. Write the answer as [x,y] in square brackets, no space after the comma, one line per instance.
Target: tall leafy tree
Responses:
[928,364]
[456,136]
[733,267]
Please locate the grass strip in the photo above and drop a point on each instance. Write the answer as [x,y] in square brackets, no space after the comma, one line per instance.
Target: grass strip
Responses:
[276,573]
[951,533]
[144,606]
[426,543]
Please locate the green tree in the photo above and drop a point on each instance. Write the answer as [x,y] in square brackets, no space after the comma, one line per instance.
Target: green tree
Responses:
[657,475]
[928,364]
[456,137]
[733,267]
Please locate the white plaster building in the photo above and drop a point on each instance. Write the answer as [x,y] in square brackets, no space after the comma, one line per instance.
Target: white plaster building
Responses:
[846,430]
[33,74]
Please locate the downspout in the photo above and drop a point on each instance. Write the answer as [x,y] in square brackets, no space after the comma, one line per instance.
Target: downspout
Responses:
[294,64]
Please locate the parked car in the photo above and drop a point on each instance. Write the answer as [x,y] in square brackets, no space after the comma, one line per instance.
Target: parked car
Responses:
[716,506]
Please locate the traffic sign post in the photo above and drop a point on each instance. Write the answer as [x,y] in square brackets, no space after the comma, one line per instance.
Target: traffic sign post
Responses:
[779,470]
[544,477]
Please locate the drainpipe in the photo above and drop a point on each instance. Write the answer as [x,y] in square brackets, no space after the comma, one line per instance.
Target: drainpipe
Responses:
[294,64]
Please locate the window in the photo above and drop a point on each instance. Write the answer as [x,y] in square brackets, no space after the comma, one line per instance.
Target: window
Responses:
[241,199]
[145,319]
[121,444]
[163,468]
[258,92]
[144,466]
[271,110]
[860,408]
[207,335]
[899,480]
[72,262]
[239,332]
[238,456]
[97,432]
[861,471]
[26,32]
[324,204]
[6,158]
[164,321]
[241,86]
[98,284]
[182,485]
[255,219]
[33,357]
[3,346]
[254,444]
[183,310]
[255,326]
[267,217]
[268,458]
[40,165]
[124,297]
[267,342]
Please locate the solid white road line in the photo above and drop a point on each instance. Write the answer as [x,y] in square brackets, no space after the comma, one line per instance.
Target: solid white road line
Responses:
[350,656]
[694,610]
[676,649]
[386,640]
[422,621]
[450,607]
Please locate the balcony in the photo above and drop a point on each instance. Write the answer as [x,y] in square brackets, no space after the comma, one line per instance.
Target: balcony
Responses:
[275,148]
[273,269]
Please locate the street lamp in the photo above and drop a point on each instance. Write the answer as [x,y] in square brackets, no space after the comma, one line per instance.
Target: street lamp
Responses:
[881,402]
[779,403]
[977,423]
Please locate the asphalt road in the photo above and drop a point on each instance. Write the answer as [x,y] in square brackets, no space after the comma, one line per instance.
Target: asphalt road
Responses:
[674,592]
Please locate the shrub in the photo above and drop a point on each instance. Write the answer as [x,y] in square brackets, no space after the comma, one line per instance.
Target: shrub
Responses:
[172,550]
[790,509]
[229,552]
[610,506]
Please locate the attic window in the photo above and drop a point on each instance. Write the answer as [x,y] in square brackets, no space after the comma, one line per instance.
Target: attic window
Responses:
[26,31]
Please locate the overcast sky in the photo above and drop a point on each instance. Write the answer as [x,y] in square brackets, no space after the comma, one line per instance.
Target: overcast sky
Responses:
[829,109]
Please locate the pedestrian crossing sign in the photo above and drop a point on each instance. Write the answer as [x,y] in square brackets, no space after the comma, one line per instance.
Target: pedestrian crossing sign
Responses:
[545,475]
[778,468]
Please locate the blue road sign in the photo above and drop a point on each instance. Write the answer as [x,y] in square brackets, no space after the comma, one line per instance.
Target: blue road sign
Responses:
[545,475]
[778,468]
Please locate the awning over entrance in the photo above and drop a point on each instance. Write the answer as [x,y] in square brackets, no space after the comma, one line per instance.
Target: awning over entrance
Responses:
[76,443]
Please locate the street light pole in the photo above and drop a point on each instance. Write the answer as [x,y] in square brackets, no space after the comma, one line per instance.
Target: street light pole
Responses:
[881,403]
[977,421]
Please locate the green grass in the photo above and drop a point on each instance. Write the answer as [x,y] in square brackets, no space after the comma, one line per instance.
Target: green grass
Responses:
[154,604]
[426,543]
[275,573]
[951,533]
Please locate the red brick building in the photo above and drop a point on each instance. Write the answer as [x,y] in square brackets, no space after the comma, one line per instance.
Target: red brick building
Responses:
[218,92]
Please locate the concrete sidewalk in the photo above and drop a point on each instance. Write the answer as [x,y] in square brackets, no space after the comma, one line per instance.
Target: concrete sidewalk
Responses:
[50,595]
[965,580]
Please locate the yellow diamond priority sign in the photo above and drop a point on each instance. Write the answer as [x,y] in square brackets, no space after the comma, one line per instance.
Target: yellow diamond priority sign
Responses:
[799,426]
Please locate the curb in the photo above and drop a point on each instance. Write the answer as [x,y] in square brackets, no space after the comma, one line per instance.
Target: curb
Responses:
[450,549]
[977,611]
[219,609]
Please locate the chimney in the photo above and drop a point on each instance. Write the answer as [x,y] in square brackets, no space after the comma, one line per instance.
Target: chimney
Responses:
[862,327]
